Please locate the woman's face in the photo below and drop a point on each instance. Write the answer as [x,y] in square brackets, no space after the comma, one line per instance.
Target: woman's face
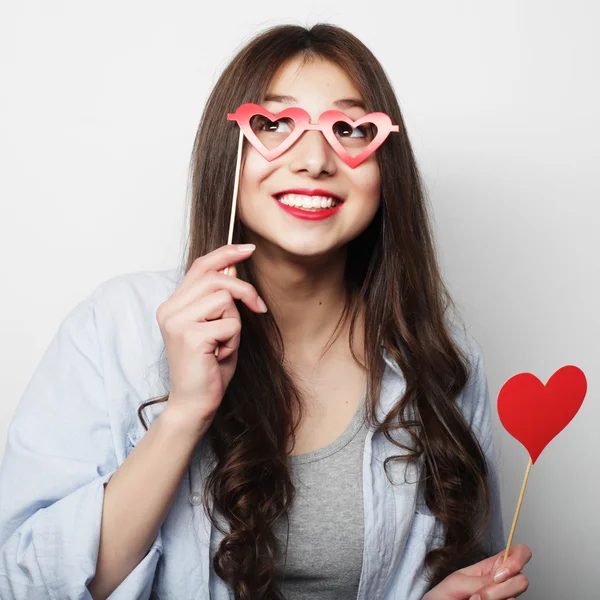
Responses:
[311,164]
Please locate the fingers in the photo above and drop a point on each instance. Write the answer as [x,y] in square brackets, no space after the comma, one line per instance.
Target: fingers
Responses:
[513,587]
[211,283]
[219,259]
[219,320]
[483,567]
[496,564]
[217,305]
[507,580]
[225,332]
[519,555]
[231,271]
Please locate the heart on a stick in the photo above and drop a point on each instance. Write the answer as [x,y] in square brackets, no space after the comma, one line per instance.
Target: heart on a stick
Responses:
[535,413]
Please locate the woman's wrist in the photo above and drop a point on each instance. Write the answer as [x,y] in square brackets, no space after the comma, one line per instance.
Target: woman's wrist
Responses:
[184,423]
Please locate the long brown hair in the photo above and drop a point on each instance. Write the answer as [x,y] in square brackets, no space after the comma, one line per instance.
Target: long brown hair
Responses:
[392,272]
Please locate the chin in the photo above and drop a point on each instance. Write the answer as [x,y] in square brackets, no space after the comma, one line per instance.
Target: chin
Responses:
[306,249]
[298,245]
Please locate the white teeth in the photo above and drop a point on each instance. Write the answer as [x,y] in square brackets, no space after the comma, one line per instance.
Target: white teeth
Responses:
[308,202]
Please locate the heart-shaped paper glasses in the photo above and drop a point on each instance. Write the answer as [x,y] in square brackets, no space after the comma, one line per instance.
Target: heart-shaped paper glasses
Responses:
[271,143]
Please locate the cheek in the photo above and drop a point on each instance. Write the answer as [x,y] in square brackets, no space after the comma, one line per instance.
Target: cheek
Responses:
[367,181]
[253,171]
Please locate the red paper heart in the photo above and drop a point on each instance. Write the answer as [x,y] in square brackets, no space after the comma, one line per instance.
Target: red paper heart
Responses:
[535,414]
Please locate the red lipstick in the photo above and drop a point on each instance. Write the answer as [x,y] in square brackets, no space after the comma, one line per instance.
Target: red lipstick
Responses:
[308,215]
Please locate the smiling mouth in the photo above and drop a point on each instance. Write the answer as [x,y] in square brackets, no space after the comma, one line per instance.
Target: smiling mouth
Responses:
[308,203]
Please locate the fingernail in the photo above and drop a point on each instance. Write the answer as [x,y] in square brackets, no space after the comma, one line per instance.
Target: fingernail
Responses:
[497,563]
[262,305]
[501,576]
[475,597]
[246,247]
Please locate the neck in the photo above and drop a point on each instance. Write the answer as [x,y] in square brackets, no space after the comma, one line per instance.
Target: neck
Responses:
[306,296]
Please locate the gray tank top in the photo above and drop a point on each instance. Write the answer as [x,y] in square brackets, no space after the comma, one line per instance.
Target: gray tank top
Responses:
[326,522]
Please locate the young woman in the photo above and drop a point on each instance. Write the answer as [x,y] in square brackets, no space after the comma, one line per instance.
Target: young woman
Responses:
[335,445]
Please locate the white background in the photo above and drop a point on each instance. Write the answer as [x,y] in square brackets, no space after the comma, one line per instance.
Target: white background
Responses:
[99,105]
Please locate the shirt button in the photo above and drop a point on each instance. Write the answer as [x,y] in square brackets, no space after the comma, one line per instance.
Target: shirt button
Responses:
[196,498]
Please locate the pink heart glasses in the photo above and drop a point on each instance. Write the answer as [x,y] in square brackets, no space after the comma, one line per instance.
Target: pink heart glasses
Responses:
[258,125]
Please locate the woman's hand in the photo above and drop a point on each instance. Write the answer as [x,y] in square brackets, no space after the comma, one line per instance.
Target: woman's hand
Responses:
[490,579]
[199,316]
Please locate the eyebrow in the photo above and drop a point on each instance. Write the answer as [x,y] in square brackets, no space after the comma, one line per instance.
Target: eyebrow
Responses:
[343,103]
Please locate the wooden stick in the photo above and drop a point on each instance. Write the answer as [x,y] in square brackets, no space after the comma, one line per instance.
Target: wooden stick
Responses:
[234,201]
[514,524]
[235,189]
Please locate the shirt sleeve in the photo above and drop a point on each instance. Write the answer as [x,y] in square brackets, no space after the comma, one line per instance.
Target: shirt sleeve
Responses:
[58,459]
[477,409]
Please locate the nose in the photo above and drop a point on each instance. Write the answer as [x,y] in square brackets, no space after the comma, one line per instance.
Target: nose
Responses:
[312,154]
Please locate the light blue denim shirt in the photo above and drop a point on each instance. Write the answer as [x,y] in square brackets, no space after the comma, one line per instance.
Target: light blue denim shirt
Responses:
[77,421]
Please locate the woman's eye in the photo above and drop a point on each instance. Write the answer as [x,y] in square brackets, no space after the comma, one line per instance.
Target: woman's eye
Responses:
[279,126]
[345,130]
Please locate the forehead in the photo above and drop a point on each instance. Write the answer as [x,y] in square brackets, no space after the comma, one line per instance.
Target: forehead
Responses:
[315,84]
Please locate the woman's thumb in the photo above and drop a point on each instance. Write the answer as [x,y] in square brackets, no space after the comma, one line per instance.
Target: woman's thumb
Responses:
[496,565]
[231,271]
[468,584]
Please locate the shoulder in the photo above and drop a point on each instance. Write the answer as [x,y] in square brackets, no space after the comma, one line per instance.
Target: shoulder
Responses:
[125,305]
[125,308]
[473,399]
[116,307]
[132,353]
[467,344]
[134,291]
[130,344]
